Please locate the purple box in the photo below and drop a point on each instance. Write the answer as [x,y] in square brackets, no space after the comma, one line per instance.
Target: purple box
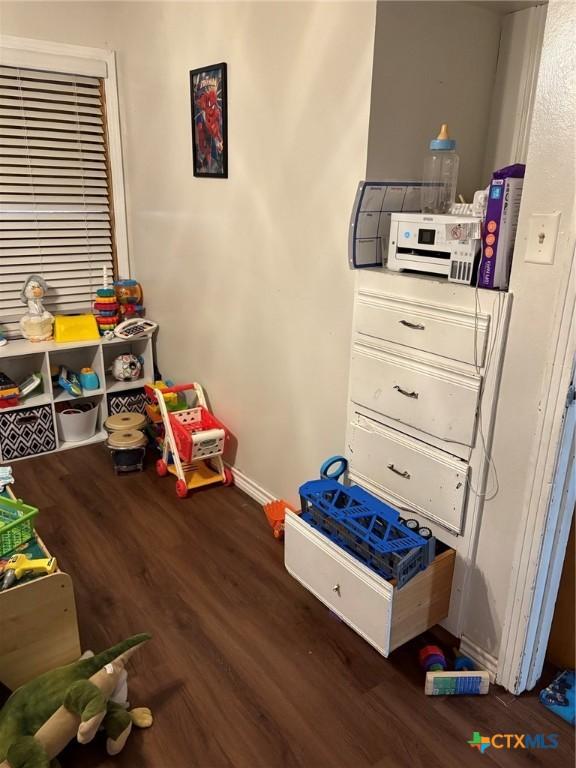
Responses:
[499,231]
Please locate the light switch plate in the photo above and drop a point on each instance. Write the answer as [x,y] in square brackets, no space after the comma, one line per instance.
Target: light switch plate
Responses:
[542,236]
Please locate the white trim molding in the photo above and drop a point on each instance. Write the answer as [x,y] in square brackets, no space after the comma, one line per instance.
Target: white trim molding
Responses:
[539,555]
[251,487]
[483,659]
[560,518]
[92,62]
[531,64]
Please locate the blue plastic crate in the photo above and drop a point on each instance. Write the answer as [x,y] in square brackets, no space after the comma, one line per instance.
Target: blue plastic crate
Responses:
[366,528]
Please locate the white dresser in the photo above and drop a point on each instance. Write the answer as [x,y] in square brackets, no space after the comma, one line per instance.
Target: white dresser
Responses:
[425,366]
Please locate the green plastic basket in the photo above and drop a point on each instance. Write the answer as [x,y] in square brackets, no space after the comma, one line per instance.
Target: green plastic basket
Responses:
[16,524]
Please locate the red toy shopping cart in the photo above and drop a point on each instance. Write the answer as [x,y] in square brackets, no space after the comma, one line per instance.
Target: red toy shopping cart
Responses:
[194,442]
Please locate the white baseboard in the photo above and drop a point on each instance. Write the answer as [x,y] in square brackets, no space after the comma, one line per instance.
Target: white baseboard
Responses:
[251,487]
[483,659]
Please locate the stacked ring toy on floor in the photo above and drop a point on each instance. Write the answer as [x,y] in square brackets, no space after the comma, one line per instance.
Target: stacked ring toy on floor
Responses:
[432,659]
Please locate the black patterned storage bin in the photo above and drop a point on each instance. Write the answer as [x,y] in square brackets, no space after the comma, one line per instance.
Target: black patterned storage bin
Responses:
[131,400]
[27,432]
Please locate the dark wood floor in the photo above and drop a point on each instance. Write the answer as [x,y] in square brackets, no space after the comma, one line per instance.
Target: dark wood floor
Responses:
[246,668]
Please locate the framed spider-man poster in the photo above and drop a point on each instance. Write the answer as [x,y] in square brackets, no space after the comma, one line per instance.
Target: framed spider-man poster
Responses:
[209,121]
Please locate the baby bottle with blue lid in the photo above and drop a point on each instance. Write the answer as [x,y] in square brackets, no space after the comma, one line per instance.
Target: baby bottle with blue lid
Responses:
[440,174]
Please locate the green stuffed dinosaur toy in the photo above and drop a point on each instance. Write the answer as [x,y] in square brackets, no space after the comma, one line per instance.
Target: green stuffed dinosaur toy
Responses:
[42,716]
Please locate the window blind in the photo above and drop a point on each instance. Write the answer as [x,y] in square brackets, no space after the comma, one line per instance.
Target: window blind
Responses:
[55,208]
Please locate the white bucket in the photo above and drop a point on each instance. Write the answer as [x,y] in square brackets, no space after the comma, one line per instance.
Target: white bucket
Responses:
[78,422]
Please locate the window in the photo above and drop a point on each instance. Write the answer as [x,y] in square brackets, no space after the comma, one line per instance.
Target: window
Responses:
[57,197]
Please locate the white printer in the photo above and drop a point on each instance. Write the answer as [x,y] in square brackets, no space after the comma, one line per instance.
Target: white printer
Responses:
[437,244]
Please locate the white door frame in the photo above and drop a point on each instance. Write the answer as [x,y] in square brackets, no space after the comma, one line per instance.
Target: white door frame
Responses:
[539,556]
[559,521]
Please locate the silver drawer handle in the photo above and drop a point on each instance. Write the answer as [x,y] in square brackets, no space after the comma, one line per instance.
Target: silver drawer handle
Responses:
[406,394]
[414,326]
[405,474]
[336,588]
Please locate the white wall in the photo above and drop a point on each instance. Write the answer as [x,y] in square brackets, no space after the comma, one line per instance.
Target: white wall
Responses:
[248,277]
[434,62]
[520,48]
[539,292]
[77,23]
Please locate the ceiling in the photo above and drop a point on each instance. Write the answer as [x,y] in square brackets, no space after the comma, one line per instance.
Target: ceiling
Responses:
[503,7]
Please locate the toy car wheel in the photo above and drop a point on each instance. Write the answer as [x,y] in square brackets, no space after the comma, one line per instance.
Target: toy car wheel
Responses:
[228,477]
[181,489]
[161,468]
[278,532]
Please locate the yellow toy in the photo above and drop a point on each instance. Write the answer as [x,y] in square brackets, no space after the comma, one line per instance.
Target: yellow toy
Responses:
[21,565]
[75,328]
[174,401]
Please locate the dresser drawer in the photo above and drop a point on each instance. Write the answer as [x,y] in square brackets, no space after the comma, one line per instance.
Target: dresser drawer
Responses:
[385,616]
[430,398]
[410,472]
[457,334]
[357,595]
[26,432]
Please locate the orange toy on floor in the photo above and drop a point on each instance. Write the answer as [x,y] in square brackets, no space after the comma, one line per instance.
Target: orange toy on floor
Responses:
[276,512]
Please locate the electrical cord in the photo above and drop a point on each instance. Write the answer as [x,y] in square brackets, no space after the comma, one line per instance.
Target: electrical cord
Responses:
[498,314]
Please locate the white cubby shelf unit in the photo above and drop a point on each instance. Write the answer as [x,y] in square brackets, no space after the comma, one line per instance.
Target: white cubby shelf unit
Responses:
[19,359]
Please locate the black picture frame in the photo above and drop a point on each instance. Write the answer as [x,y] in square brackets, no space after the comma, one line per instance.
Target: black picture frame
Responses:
[209,109]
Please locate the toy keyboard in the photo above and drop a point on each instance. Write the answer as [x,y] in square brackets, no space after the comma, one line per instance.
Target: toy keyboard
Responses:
[457,683]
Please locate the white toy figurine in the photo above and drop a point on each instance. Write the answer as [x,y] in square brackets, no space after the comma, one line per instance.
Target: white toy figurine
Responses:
[36,324]
[5,477]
